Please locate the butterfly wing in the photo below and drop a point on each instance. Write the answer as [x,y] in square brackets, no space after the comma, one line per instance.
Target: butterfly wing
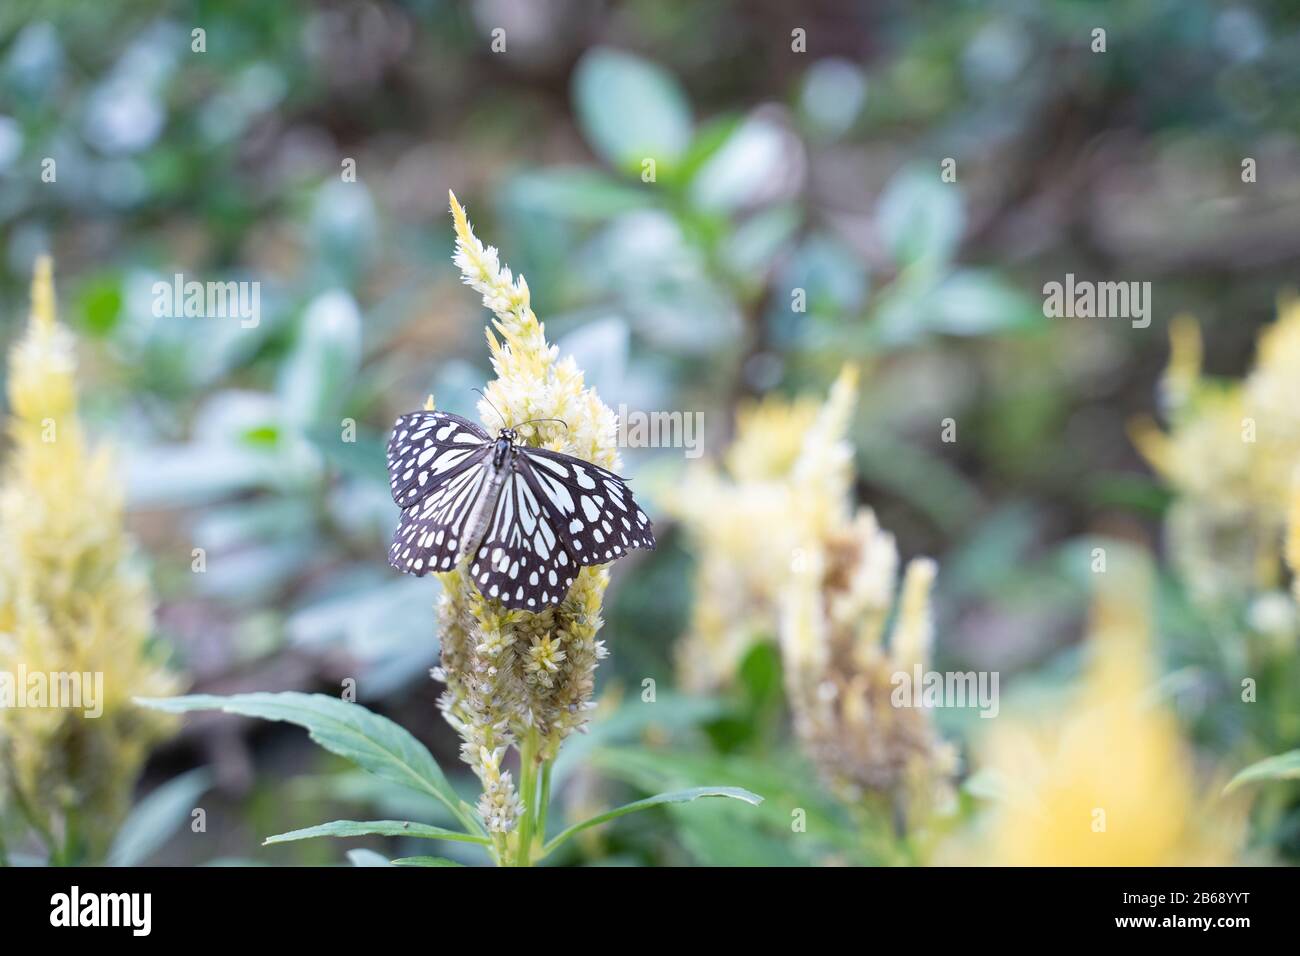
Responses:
[438,466]
[429,447]
[431,532]
[592,508]
[523,561]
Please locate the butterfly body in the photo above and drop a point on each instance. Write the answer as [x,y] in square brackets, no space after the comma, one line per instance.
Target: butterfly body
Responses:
[521,521]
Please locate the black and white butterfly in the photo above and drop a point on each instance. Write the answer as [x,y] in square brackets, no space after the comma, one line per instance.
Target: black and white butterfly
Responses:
[525,518]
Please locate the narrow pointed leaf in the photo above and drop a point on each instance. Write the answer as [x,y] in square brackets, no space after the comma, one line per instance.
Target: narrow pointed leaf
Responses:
[677,796]
[425,861]
[1280,767]
[353,828]
[372,742]
[155,818]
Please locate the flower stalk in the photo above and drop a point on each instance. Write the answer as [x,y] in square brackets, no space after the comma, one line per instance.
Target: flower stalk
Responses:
[517,680]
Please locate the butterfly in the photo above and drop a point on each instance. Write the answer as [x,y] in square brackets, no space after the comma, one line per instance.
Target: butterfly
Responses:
[525,519]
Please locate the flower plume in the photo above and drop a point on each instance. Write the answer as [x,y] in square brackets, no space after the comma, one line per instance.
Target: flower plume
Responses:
[515,678]
[72,600]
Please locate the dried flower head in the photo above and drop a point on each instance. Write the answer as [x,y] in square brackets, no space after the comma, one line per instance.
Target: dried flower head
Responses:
[840,670]
[72,601]
[784,555]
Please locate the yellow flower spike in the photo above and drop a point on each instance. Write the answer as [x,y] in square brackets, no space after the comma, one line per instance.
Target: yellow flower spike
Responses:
[914,633]
[71,600]
[782,551]
[769,436]
[1183,373]
[788,475]
[1152,444]
[1110,782]
[510,679]
[1228,456]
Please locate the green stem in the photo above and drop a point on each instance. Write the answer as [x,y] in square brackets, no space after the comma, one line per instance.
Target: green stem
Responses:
[527,792]
[501,849]
[71,837]
[544,802]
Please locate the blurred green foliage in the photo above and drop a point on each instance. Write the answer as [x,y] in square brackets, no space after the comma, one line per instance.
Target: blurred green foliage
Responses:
[773,171]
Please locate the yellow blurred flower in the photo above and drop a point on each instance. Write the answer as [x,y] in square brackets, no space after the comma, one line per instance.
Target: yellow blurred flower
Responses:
[1110,781]
[1229,454]
[783,555]
[72,600]
[748,523]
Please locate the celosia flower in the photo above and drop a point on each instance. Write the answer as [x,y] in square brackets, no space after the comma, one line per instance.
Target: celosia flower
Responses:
[784,555]
[515,678]
[72,601]
[1110,781]
[738,518]
[841,673]
[1229,454]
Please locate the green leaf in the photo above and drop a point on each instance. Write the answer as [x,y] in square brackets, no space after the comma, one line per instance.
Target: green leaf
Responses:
[424,861]
[353,828]
[740,171]
[920,217]
[785,783]
[157,817]
[320,370]
[630,110]
[711,137]
[372,742]
[575,194]
[670,714]
[101,304]
[677,796]
[976,302]
[1280,767]
[720,833]
[784,779]
[361,458]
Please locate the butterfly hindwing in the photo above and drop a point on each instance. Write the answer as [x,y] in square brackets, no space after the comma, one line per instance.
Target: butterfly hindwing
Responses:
[430,447]
[522,561]
[593,508]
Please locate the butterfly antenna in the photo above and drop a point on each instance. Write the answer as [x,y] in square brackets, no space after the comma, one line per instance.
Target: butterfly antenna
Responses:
[491,406]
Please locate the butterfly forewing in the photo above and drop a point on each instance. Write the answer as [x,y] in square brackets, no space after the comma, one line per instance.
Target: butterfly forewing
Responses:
[431,534]
[429,447]
[438,467]
[592,508]
[522,560]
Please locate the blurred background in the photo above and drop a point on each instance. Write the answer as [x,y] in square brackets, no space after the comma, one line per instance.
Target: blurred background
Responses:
[796,148]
